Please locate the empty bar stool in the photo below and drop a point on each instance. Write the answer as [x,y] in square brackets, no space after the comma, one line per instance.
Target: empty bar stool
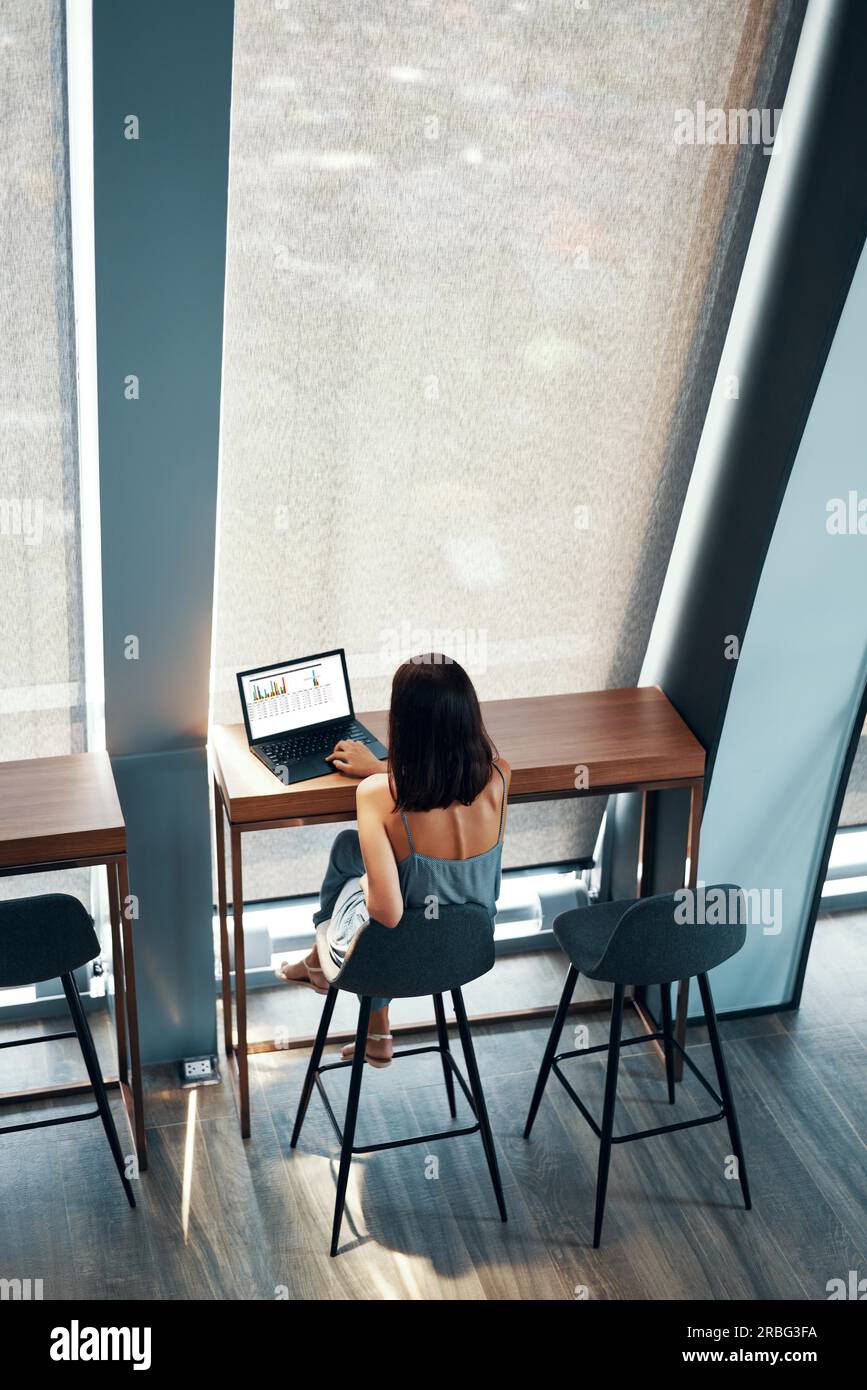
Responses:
[419,956]
[643,943]
[42,938]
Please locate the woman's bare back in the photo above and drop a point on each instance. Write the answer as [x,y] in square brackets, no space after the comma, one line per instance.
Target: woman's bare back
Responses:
[456,831]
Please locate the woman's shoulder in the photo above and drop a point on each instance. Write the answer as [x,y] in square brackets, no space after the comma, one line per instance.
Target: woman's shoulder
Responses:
[375,791]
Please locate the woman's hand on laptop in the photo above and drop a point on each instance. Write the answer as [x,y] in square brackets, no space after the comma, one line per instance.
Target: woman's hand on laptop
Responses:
[354,758]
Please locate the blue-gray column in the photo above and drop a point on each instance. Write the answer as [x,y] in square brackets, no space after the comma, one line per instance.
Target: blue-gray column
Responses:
[798,684]
[161,90]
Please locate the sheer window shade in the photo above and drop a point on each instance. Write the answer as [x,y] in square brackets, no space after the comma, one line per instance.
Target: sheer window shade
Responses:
[41,644]
[470,282]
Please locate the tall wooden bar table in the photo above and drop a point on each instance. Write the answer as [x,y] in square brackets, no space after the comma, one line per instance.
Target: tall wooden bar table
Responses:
[559,747]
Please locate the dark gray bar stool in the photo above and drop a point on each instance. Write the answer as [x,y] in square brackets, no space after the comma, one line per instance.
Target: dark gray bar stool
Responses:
[642,943]
[419,956]
[42,938]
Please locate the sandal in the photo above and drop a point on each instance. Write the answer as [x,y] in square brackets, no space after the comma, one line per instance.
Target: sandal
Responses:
[320,985]
[378,1062]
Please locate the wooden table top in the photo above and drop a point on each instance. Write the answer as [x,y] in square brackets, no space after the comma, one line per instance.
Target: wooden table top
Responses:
[55,809]
[627,739]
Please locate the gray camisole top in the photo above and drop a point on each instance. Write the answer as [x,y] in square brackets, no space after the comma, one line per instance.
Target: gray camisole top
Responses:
[452,882]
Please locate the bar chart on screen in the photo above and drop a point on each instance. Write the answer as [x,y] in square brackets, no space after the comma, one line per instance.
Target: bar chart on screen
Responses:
[290,692]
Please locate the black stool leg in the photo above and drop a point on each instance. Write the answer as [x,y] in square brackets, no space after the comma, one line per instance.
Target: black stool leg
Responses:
[313,1065]
[443,1037]
[551,1048]
[665,991]
[725,1089]
[351,1115]
[608,1111]
[478,1099]
[94,1071]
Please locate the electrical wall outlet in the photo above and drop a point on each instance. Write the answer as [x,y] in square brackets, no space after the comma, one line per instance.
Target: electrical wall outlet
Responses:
[199,1071]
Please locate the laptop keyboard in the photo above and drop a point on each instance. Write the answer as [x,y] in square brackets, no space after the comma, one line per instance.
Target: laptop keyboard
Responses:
[288,750]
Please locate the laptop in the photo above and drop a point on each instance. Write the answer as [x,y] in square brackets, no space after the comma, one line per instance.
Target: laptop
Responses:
[295,712]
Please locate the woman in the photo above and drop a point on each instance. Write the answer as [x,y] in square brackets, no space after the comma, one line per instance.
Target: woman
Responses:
[430,822]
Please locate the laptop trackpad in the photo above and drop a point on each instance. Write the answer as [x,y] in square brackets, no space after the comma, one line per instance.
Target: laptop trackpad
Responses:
[301,769]
[315,766]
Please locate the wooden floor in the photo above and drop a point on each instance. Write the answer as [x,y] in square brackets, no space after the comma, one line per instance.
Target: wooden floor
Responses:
[218,1218]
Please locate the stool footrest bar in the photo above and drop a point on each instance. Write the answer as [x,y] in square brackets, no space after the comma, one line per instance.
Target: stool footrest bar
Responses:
[46,1124]
[38,1038]
[417,1139]
[639,1133]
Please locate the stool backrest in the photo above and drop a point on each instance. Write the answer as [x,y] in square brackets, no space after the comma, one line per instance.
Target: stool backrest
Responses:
[422,954]
[675,936]
[43,937]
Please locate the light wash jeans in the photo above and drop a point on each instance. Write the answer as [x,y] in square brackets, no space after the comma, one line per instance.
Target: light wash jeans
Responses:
[341,901]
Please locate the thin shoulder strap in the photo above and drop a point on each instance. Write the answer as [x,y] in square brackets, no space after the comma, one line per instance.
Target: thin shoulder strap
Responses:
[408,831]
[502,803]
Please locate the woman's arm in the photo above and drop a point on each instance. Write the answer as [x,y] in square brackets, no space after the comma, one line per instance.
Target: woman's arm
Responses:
[381,882]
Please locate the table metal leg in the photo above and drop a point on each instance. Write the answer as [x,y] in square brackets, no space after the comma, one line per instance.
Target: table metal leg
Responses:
[646,834]
[695,800]
[119,984]
[646,839]
[225,959]
[690,881]
[240,1053]
[132,1089]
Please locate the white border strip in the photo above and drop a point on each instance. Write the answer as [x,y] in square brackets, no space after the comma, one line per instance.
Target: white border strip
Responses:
[79,77]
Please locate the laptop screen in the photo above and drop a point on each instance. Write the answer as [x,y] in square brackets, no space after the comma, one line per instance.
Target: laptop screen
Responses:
[282,699]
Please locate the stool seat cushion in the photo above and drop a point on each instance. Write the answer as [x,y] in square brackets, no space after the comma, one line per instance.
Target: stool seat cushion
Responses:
[43,937]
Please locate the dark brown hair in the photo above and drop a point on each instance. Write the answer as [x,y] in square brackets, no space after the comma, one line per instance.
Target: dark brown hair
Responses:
[438,750]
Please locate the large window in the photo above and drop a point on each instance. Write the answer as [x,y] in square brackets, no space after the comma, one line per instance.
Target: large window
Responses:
[846,882]
[471,274]
[854,809]
[42,705]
